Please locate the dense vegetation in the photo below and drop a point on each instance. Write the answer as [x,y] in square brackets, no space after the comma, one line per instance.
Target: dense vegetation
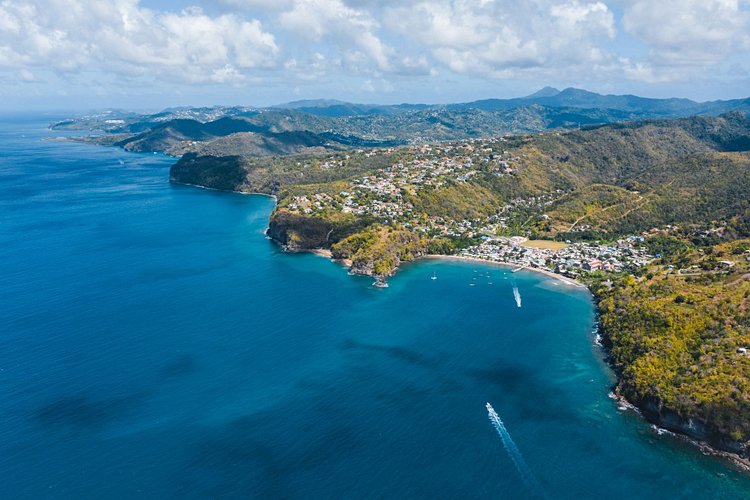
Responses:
[245,174]
[677,336]
[626,178]
[378,250]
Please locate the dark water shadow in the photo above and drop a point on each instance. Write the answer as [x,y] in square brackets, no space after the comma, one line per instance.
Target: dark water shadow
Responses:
[240,459]
[83,413]
[399,353]
[524,389]
[181,366]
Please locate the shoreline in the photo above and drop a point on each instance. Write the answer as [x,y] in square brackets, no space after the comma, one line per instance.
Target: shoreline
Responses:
[549,274]
[324,252]
[244,193]
[741,463]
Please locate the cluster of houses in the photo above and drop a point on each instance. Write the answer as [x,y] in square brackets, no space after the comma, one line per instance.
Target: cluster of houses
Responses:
[382,193]
[311,204]
[571,261]
[433,166]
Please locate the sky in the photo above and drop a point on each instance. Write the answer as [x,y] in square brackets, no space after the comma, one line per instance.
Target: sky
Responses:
[151,54]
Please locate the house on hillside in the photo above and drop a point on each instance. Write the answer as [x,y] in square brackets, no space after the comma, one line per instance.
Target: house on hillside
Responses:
[593,265]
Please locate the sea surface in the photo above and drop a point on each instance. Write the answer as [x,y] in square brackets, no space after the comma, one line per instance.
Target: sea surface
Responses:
[154,344]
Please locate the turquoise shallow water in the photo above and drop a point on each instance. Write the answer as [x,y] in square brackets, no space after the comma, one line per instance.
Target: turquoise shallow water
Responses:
[155,344]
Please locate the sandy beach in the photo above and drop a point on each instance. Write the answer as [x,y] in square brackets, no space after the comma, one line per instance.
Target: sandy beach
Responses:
[322,252]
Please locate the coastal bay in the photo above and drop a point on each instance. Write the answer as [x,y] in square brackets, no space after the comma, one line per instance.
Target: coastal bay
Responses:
[159,345]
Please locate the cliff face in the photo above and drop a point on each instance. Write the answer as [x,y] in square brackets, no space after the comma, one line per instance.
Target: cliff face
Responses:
[297,232]
[225,173]
[370,249]
[654,411]
[301,232]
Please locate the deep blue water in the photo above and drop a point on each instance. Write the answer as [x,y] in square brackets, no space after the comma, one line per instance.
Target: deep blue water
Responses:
[154,344]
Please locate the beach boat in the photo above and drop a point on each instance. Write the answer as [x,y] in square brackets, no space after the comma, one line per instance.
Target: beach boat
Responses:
[434,276]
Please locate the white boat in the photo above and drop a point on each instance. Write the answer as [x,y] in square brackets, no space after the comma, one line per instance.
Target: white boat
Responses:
[434,276]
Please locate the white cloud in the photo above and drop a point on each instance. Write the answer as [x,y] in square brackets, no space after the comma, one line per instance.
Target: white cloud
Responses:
[371,44]
[260,5]
[379,86]
[353,31]
[316,66]
[26,76]
[227,74]
[125,38]
[368,86]
[503,38]
[683,36]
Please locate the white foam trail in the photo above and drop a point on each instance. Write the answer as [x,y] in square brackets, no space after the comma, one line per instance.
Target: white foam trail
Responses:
[514,453]
[517,296]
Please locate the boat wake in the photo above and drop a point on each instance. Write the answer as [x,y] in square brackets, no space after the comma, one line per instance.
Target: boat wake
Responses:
[517,296]
[515,455]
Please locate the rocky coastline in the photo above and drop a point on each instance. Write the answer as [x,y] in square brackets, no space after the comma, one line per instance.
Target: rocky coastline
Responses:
[689,430]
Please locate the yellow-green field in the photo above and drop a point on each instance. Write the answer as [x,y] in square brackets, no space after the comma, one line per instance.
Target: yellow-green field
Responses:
[545,244]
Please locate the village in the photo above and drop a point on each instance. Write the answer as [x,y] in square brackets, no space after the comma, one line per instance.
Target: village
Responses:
[571,260]
[384,195]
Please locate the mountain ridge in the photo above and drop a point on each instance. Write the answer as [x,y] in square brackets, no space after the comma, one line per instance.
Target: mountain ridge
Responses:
[547,96]
[340,124]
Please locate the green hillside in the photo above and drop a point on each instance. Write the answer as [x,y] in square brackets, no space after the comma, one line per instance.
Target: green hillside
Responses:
[599,183]
[679,335]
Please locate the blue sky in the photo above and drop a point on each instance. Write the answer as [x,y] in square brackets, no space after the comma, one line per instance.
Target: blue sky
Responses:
[148,54]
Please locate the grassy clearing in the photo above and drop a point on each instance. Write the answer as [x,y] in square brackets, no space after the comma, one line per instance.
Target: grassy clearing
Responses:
[545,244]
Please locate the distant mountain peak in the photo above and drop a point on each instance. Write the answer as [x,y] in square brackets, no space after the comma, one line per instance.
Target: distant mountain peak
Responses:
[310,103]
[572,91]
[545,92]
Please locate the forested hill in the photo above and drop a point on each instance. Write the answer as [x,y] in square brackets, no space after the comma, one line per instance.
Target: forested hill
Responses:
[625,178]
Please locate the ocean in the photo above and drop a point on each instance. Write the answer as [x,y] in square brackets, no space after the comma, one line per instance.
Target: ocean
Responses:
[154,344]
